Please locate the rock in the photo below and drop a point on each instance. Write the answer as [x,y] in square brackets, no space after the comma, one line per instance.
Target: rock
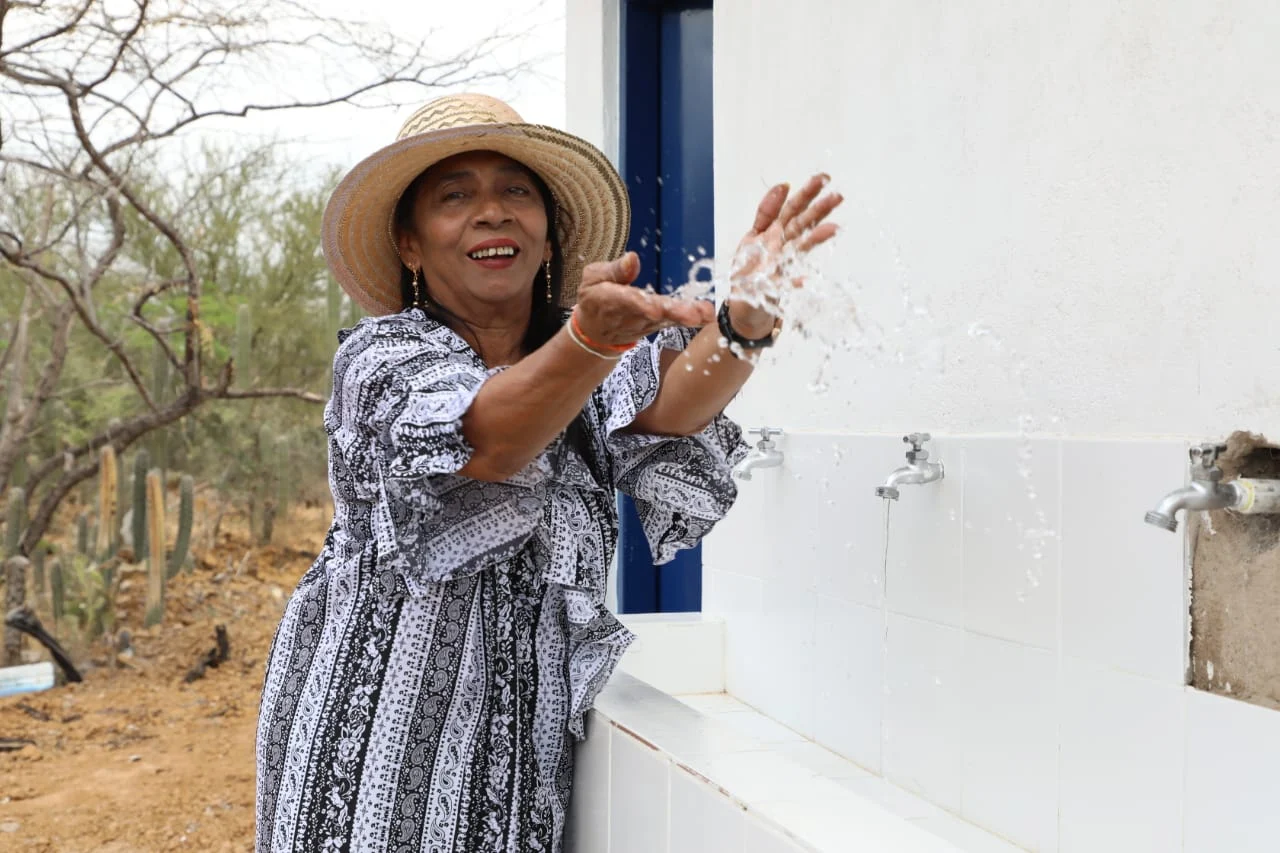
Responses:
[10,826]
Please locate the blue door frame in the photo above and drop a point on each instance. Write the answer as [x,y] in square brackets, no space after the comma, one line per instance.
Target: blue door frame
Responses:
[666,159]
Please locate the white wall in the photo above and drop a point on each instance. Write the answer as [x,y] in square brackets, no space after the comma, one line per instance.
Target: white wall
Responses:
[591,73]
[1094,184]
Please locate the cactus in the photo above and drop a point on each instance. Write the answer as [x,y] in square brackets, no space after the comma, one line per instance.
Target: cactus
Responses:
[269,450]
[160,453]
[141,462]
[57,590]
[161,374]
[155,555]
[37,571]
[244,341]
[82,534]
[15,521]
[186,514]
[123,490]
[20,470]
[105,542]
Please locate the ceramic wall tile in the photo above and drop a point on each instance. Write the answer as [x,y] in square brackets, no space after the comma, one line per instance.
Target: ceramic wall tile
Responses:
[702,818]
[849,685]
[925,576]
[922,746]
[1123,581]
[1010,536]
[1122,762]
[588,825]
[1233,752]
[638,797]
[1010,741]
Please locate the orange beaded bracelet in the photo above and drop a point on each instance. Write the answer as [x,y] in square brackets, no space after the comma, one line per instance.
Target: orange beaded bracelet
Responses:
[577,329]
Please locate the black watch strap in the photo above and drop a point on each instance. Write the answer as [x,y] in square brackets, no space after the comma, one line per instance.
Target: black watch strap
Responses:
[726,329]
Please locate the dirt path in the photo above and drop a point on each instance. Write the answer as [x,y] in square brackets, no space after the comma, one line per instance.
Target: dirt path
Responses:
[134,759]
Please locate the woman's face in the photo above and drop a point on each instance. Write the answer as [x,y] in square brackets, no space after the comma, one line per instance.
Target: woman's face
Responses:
[479,230]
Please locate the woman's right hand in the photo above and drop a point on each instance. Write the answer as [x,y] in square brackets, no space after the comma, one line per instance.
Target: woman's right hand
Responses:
[612,311]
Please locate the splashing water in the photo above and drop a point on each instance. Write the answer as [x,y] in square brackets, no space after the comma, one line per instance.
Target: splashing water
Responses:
[824,313]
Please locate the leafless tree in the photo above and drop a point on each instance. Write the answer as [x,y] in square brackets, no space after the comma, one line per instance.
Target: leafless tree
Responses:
[93,91]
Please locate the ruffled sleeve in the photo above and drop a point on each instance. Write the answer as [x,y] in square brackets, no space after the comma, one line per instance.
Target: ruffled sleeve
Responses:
[681,485]
[429,523]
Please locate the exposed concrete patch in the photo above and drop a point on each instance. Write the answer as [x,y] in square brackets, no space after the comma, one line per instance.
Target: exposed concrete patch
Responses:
[1235,588]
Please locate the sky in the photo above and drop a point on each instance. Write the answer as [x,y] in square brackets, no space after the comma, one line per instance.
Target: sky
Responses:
[341,136]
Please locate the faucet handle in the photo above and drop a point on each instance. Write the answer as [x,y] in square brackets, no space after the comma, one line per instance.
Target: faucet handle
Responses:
[1207,454]
[765,432]
[916,440]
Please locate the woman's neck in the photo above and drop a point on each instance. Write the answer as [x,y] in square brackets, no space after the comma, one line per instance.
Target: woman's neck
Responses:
[495,332]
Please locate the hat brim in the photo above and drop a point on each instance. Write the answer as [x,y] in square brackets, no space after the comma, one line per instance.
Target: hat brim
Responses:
[594,215]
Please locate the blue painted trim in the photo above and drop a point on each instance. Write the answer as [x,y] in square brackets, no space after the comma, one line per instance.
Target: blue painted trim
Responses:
[666,159]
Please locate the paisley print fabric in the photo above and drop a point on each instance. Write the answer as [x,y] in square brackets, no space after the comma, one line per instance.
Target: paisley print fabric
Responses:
[433,667]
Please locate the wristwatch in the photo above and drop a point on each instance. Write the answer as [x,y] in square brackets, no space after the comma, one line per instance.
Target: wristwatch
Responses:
[726,329]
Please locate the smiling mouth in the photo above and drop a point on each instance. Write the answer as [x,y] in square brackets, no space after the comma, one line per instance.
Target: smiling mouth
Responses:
[495,252]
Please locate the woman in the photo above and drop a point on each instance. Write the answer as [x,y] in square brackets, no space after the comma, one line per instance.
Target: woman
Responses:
[430,668]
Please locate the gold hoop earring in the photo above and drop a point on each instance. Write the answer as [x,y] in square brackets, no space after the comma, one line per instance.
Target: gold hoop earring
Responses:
[417,297]
[550,295]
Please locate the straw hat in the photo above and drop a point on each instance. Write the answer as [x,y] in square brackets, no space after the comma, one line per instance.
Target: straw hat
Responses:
[594,212]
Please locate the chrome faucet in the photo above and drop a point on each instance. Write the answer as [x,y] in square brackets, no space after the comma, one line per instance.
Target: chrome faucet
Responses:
[917,471]
[765,454]
[1206,491]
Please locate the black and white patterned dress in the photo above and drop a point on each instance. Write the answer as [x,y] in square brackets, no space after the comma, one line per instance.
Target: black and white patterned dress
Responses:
[432,664]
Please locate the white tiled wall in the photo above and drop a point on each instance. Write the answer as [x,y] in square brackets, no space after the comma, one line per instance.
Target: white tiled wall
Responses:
[1122,761]
[1233,754]
[629,798]
[1013,647]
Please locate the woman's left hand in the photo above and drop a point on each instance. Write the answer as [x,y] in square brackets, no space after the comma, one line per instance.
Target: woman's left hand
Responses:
[786,227]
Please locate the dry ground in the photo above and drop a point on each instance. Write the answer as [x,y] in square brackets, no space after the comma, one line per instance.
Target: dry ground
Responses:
[133,758]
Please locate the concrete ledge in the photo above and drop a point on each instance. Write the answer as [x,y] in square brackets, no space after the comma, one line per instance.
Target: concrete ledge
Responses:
[648,755]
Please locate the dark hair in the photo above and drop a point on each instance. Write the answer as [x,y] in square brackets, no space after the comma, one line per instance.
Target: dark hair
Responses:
[545,317]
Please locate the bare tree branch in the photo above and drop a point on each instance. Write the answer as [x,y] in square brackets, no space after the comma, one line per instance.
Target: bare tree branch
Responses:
[94,98]
[43,37]
[17,431]
[22,261]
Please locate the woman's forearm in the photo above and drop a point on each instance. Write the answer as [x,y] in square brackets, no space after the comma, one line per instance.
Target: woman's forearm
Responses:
[521,410]
[696,386]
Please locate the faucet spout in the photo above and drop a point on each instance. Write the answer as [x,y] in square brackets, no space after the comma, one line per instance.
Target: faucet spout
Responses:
[1206,490]
[917,471]
[1200,495]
